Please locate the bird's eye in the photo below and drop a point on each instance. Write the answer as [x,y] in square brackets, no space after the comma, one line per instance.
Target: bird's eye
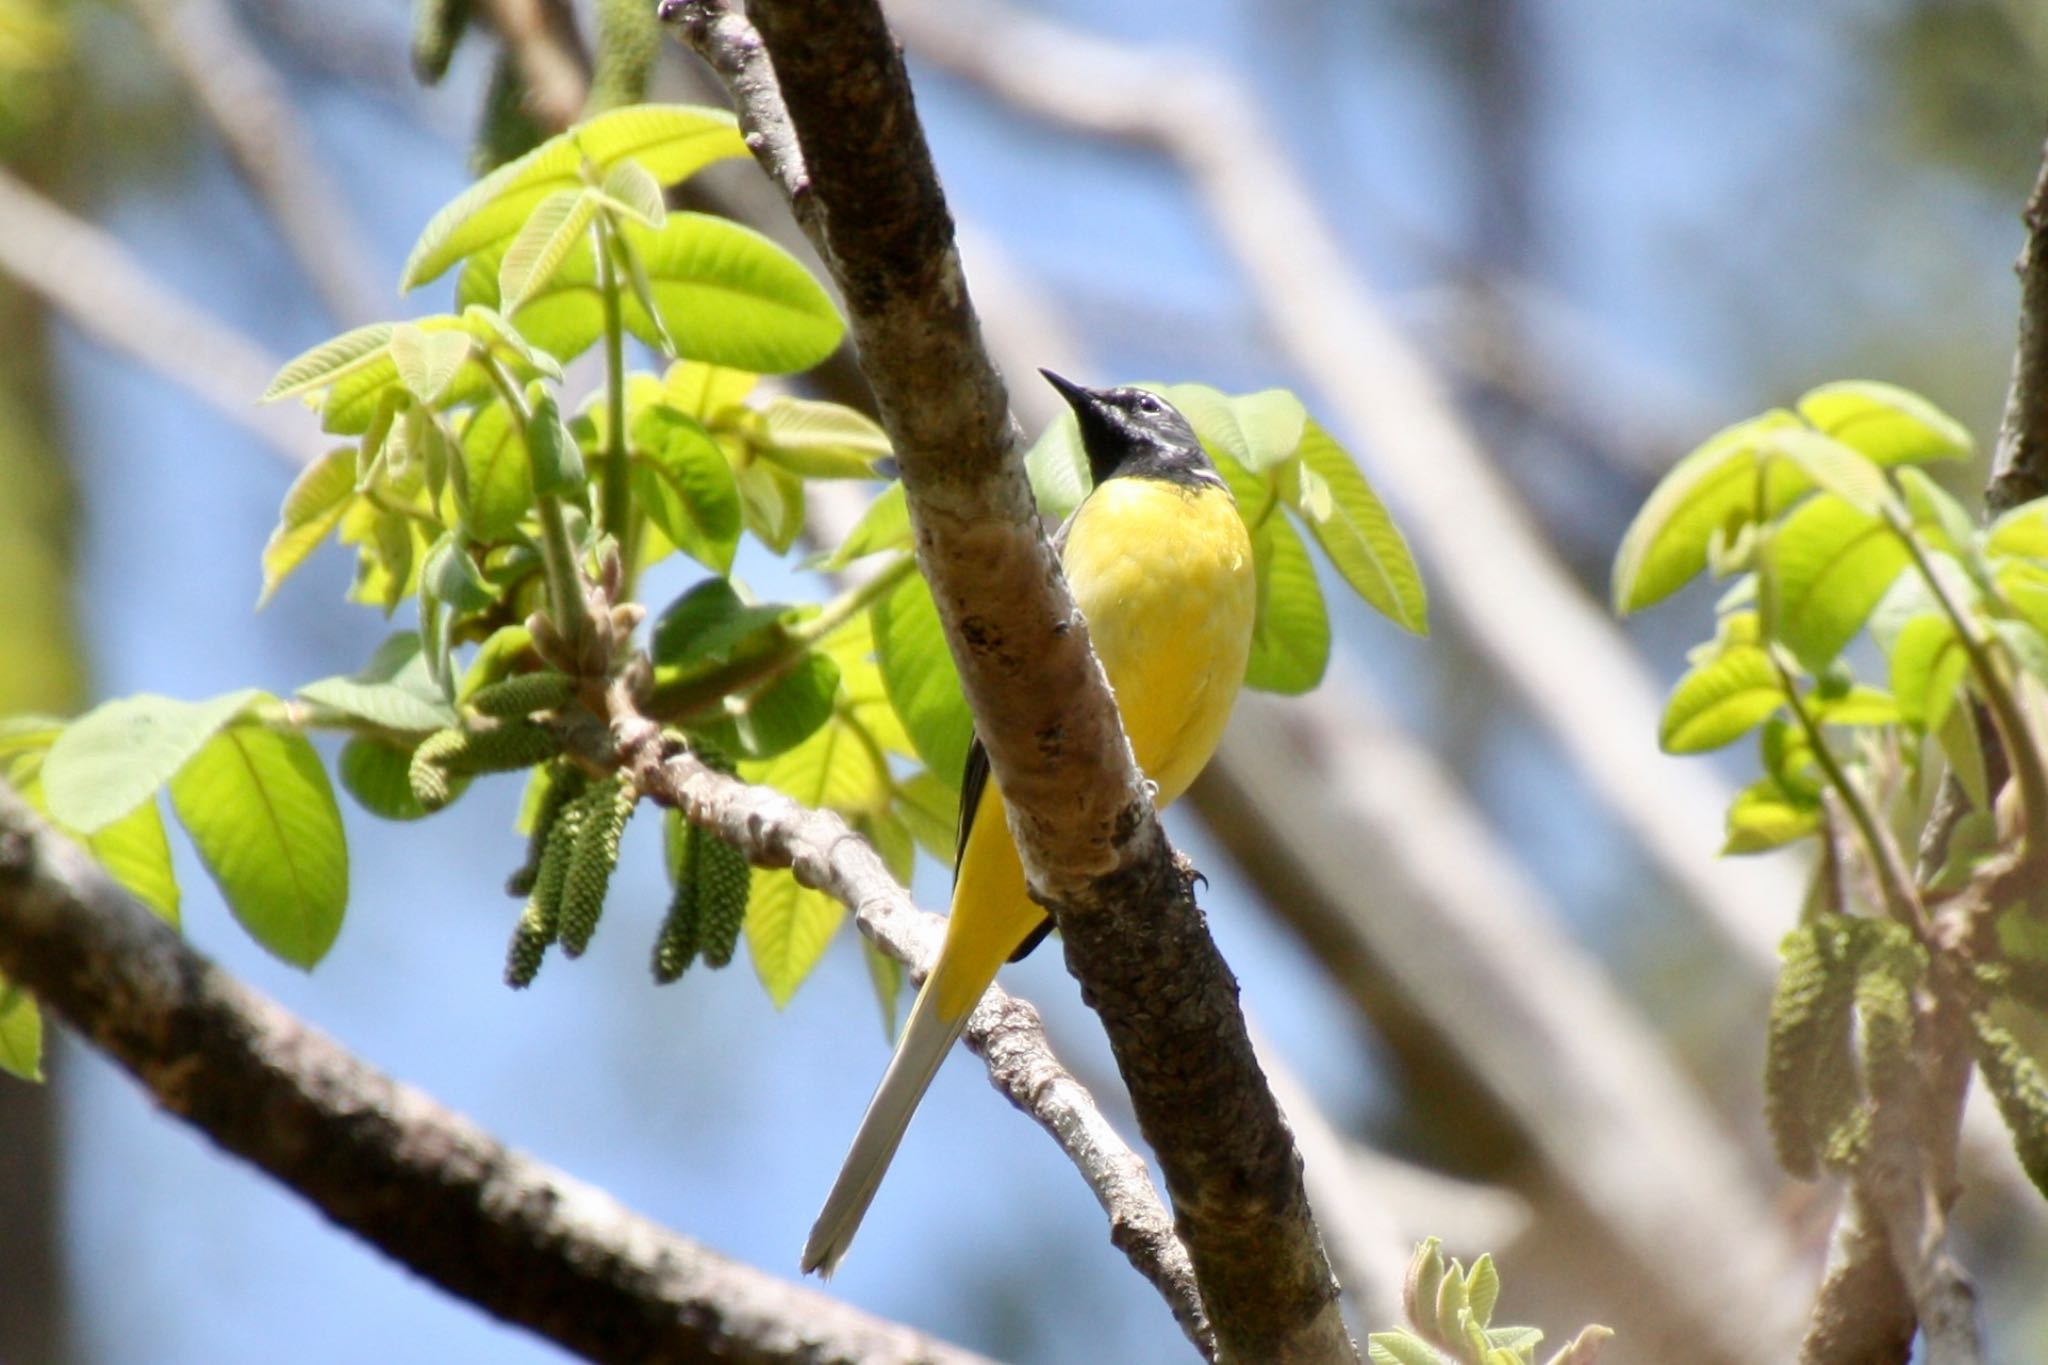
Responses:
[1147,403]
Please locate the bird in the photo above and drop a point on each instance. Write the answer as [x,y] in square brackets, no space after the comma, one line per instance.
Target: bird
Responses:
[1160,565]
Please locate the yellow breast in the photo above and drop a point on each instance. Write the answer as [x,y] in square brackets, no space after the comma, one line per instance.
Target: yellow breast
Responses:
[1163,573]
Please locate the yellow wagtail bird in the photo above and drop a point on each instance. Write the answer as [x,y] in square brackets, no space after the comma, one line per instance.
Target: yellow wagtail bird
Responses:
[1160,566]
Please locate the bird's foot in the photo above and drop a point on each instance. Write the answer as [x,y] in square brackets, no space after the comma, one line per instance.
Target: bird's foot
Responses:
[1189,873]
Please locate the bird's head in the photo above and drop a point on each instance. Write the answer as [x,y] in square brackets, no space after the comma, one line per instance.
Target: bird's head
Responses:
[1133,431]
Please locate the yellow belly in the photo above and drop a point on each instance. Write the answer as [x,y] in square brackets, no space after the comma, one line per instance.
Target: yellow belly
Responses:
[1163,575]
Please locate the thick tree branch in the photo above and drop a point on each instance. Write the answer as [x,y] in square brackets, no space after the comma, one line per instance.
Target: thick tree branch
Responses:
[425,1186]
[1082,816]
[2019,467]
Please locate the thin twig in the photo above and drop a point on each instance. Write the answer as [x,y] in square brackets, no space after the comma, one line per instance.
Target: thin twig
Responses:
[542,37]
[425,1186]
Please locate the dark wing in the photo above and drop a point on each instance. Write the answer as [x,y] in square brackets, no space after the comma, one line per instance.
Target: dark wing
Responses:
[975,780]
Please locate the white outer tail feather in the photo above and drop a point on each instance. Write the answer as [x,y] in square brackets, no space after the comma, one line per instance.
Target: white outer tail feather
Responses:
[927,1038]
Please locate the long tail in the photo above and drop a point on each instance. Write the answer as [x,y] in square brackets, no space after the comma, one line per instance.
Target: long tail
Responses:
[927,1038]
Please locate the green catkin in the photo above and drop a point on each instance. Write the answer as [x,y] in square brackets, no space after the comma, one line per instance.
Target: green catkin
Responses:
[2015,1080]
[427,772]
[604,811]
[437,26]
[675,947]
[522,695]
[724,882]
[1807,1075]
[508,130]
[566,782]
[628,39]
[462,753]
[538,922]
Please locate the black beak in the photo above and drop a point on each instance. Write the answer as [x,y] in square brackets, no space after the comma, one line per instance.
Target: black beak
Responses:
[1078,398]
[1102,436]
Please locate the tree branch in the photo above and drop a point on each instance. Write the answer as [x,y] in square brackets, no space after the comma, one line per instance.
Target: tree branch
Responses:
[430,1189]
[2019,466]
[245,101]
[1085,828]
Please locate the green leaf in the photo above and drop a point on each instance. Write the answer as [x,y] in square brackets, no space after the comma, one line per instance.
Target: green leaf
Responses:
[1720,701]
[2024,645]
[114,757]
[375,774]
[313,506]
[885,525]
[682,479]
[500,477]
[710,624]
[558,224]
[671,142]
[788,926]
[634,190]
[1353,528]
[922,683]
[1713,489]
[1291,639]
[1482,1289]
[1927,663]
[863,697]
[1938,518]
[1401,1348]
[1832,466]
[451,576]
[21,1033]
[393,690]
[427,361]
[262,815]
[704,391]
[1831,563]
[2022,532]
[930,809]
[725,294]
[356,402]
[496,331]
[330,361]
[837,768]
[1964,750]
[136,854]
[556,458]
[1885,423]
[780,714]
[1259,430]
[815,440]
[772,504]
[1764,816]
[1858,706]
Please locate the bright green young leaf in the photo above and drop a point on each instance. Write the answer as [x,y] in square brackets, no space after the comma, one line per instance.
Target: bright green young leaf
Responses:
[885,525]
[2021,532]
[452,578]
[726,295]
[492,328]
[393,690]
[1830,465]
[1259,430]
[262,815]
[1355,531]
[1961,745]
[863,697]
[1765,816]
[1858,706]
[1831,565]
[917,669]
[704,391]
[1401,1348]
[1711,489]
[427,361]
[559,224]
[1291,640]
[671,142]
[556,458]
[330,361]
[930,809]
[1927,662]
[132,849]
[356,401]
[686,486]
[21,1033]
[312,508]
[1938,519]
[778,715]
[837,768]
[816,440]
[2024,644]
[788,927]
[1720,701]
[2024,586]
[1789,759]
[1885,423]
[500,477]
[771,504]
[114,757]
[634,190]
[375,774]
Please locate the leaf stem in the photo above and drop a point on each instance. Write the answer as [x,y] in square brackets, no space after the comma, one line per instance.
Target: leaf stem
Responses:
[2006,715]
[557,551]
[617,514]
[1901,900]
